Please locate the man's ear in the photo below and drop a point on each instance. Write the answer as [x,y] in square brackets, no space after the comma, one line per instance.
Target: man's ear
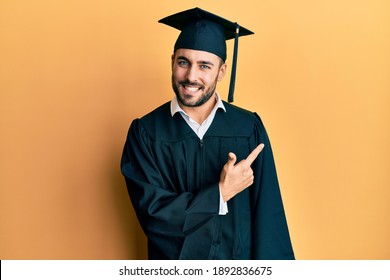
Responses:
[222,72]
[172,59]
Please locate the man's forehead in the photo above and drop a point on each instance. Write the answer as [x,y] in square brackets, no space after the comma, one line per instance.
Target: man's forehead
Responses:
[197,55]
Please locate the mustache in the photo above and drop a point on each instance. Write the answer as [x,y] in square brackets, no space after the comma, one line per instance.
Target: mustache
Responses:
[189,83]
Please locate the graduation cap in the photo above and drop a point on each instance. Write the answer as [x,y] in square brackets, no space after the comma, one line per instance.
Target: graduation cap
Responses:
[204,31]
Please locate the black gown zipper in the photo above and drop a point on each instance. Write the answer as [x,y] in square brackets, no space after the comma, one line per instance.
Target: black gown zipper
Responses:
[202,171]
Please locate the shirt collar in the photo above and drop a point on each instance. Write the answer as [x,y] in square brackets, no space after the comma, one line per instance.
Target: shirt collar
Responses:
[175,107]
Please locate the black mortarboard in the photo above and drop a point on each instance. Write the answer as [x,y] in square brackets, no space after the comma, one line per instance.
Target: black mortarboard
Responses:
[204,31]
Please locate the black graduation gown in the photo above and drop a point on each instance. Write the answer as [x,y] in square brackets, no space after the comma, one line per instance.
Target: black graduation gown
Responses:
[172,178]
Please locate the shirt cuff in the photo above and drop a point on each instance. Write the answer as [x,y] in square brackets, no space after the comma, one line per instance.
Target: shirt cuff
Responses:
[223,208]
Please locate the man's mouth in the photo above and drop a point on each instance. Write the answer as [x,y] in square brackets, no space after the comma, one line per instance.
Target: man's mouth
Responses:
[192,88]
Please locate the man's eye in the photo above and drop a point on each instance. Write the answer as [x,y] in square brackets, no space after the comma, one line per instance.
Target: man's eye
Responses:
[205,66]
[183,62]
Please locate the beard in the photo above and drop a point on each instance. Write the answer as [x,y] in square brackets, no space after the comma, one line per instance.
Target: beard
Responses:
[187,101]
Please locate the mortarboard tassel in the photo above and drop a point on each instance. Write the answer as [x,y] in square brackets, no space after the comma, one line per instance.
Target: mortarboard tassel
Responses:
[234,65]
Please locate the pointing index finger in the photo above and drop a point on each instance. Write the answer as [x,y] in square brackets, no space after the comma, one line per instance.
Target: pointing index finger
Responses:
[253,155]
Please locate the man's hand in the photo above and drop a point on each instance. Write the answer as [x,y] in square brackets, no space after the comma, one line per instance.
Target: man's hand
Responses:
[237,177]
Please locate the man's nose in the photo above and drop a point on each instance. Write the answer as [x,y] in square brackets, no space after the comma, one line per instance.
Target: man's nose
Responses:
[192,74]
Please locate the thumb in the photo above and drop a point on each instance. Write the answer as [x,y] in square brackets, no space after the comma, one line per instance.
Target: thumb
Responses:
[231,160]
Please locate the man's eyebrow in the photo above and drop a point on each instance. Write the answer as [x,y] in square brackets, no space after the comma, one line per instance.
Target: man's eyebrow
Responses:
[205,62]
[182,58]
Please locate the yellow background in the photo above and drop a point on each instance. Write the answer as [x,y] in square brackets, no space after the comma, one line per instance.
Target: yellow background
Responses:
[73,74]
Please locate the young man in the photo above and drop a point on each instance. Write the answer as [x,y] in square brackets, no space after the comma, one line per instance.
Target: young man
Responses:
[199,171]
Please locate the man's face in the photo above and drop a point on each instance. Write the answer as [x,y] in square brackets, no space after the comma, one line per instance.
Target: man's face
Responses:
[195,75]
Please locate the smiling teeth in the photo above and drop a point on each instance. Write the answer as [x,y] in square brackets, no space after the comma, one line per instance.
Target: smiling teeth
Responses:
[192,88]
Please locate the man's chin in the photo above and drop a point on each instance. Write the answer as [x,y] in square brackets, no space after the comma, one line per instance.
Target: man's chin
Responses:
[188,103]
[187,99]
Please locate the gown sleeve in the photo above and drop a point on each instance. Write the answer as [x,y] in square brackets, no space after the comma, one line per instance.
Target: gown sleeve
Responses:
[160,209]
[270,230]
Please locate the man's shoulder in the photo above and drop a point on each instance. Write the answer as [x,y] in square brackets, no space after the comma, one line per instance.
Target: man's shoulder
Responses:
[159,124]
[240,115]
[235,122]
[163,111]
[236,109]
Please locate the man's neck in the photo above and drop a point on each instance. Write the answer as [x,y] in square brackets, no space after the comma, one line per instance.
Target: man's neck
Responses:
[200,113]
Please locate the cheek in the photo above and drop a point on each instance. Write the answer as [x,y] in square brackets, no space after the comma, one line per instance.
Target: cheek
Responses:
[210,79]
[177,73]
